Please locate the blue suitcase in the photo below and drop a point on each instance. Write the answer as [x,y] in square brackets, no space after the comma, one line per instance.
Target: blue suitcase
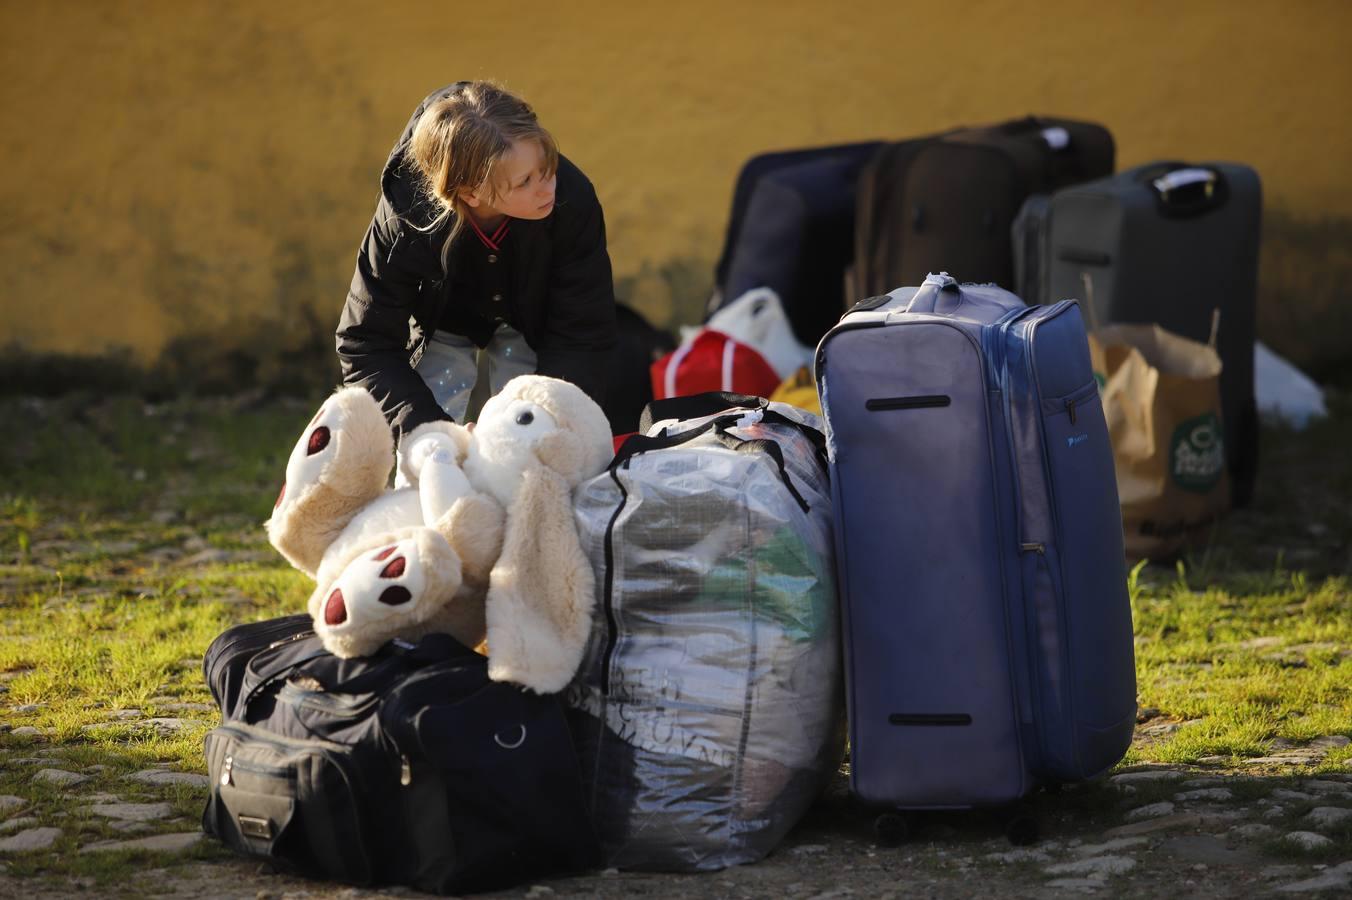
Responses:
[979,544]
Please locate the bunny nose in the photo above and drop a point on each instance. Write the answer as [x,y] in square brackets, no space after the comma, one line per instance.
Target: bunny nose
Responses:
[395,595]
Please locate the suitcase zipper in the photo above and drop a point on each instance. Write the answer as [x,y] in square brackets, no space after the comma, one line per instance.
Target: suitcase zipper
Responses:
[1047,560]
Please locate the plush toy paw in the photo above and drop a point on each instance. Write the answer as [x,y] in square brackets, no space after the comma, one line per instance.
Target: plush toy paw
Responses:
[391,590]
[340,464]
[429,439]
[441,484]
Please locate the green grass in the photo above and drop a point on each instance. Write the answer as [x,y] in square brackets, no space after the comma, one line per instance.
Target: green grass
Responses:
[130,535]
[1238,643]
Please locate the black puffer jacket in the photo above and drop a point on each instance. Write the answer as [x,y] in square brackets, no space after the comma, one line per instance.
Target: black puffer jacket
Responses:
[562,297]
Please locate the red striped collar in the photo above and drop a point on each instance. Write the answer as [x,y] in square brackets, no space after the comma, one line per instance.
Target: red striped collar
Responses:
[494,242]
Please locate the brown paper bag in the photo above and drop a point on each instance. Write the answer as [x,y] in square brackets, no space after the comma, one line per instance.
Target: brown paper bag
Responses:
[1161,397]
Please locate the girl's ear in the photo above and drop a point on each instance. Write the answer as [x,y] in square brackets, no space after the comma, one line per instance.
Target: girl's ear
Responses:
[468,197]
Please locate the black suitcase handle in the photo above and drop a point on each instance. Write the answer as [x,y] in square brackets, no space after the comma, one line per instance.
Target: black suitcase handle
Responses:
[1183,190]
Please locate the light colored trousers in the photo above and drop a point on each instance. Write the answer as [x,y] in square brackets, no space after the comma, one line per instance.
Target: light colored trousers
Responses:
[462,376]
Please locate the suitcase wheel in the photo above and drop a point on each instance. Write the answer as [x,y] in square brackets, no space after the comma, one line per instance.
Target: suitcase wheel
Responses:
[1022,829]
[891,829]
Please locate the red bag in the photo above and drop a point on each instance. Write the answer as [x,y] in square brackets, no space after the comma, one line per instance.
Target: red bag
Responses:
[712,361]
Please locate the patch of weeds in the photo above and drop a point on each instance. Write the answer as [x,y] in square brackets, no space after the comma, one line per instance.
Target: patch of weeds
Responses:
[1335,852]
[1339,759]
[19,518]
[1098,802]
[1251,790]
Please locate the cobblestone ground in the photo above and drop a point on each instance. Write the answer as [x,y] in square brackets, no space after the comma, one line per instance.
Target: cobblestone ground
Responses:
[1186,831]
[1272,826]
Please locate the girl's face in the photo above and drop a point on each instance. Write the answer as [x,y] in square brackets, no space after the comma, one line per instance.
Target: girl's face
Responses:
[523,190]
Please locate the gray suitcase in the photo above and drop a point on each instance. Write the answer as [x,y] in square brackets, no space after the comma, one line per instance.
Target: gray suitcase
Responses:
[1168,243]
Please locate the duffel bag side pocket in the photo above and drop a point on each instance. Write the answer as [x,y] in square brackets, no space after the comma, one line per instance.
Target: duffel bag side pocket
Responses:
[297,803]
[512,790]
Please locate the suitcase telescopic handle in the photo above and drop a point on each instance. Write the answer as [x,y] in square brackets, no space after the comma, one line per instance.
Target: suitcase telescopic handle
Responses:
[1185,190]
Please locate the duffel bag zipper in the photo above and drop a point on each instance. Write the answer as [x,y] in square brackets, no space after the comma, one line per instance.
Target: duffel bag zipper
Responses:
[300,635]
[213,664]
[234,645]
[313,746]
[231,764]
[314,696]
[250,690]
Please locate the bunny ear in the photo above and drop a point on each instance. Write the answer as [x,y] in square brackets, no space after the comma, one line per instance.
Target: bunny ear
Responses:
[563,452]
[540,593]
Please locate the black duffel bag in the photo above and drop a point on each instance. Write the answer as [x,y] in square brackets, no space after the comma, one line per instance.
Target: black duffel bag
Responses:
[406,767]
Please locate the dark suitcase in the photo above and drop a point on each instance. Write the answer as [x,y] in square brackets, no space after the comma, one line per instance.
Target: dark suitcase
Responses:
[947,202]
[979,548]
[409,766]
[762,165]
[1165,243]
[795,234]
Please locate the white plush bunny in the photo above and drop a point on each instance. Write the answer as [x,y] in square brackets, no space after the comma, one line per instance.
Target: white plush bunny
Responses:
[482,542]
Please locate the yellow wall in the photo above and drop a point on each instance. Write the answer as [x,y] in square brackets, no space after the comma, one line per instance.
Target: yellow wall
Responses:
[192,167]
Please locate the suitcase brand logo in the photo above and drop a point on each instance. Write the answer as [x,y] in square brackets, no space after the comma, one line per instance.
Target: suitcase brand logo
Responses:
[1076,439]
[1197,454]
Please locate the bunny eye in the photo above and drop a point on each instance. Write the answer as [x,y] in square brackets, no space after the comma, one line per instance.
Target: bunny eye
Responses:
[525,417]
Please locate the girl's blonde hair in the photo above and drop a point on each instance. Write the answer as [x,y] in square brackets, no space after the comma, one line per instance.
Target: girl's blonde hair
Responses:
[459,140]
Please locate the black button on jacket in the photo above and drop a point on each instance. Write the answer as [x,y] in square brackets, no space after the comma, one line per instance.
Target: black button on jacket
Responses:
[561,295]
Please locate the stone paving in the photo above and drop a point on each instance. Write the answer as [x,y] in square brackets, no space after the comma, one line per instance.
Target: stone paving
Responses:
[1187,830]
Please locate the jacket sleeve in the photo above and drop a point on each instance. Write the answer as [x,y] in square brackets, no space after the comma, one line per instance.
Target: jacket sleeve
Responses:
[580,328]
[373,332]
